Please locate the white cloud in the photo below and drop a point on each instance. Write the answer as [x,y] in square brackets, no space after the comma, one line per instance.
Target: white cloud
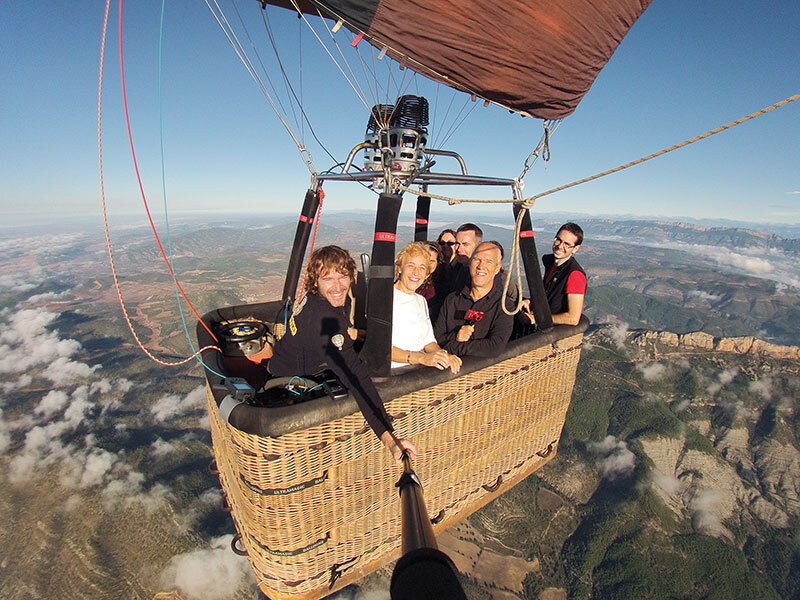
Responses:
[766,263]
[22,381]
[702,295]
[682,405]
[762,386]
[702,507]
[26,342]
[670,485]
[168,407]
[208,574]
[5,434]
[619,333]
[161,448]
[46,297]
[209,500]
[651,371]
[724,378]
[794,192]
[53,402]
[613,457]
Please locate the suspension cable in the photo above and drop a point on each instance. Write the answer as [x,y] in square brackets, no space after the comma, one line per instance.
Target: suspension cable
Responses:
[528,202]
[105,212]
[164,186]
[240,52]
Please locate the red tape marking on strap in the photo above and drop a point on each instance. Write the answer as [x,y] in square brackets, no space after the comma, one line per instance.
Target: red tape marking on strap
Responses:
[384,236]
[422,221]
[524,234]
[359,37]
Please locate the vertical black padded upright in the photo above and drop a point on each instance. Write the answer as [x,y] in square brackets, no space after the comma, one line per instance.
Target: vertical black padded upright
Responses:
[301,235]
[378,344]
[533,273]
[421,219]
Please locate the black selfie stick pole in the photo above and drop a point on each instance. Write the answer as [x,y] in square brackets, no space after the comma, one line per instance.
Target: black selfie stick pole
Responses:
[423,572]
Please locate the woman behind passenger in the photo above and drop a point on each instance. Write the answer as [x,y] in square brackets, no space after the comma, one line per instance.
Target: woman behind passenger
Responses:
[413,342]
[427,290]
[447,242]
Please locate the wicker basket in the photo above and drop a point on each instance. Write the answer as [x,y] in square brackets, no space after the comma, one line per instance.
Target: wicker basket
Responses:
[317,509]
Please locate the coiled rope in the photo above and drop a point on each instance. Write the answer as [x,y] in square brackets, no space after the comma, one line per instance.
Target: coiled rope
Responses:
[103,203]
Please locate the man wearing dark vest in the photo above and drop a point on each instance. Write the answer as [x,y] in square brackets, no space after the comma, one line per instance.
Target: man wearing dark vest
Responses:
[564,279]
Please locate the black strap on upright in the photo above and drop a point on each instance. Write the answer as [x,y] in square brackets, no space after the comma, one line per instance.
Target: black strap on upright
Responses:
[421,221]
[304,225]
[378,344]
[533,273]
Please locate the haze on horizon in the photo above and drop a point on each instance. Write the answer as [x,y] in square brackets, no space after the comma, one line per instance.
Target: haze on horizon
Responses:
[682,70]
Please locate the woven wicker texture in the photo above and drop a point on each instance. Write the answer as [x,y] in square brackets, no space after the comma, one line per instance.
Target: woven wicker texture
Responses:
[320,505]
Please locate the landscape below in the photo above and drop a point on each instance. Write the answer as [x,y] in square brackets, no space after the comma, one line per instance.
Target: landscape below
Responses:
[678,473]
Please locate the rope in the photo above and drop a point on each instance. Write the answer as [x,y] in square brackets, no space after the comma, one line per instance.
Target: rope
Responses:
[311,249]
[103,205]
[528,202]
[248,64]
[139,179]
[164,184]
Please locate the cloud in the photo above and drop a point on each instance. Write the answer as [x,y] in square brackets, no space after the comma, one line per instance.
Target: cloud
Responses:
[613,457]
[26,343]
[702,295]
[46,297]
[209,500]
[618,332]
[22,381]
[5,434]
[682,405]
[762,386]
[173,405]
[794,192]
[651,371]
[724,378]
[670,485]
[214,573]
[758,261]
[53,402]
[704,520]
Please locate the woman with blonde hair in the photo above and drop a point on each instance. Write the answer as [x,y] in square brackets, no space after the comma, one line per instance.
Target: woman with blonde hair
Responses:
[413,342]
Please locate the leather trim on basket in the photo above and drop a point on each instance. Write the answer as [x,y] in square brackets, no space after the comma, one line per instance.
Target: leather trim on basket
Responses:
[285,491]
[297,551]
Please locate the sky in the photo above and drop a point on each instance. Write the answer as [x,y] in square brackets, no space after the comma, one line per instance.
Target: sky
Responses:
[684,68]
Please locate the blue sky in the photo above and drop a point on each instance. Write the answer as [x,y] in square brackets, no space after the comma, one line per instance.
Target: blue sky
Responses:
[684,68]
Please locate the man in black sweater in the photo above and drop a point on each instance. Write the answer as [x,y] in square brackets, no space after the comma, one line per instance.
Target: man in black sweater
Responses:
[471,321]
[320,335]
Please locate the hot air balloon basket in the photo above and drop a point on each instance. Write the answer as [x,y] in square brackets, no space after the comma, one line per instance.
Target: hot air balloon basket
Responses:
[316,509]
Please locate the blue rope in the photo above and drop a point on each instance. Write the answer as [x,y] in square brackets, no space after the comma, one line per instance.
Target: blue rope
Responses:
[164,192]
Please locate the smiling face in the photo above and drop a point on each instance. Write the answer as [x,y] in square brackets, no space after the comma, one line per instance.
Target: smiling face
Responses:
[564,246]
[413,271]
[466,241]
[333,286]
[485,263]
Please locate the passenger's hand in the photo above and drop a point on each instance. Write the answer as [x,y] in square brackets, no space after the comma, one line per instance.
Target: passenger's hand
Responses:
[353,333]
[526,310]
[397,446]
[465,332]
[438,358]
[455,363]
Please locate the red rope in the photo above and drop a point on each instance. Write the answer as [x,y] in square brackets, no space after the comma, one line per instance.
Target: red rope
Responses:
[105,215]
[139,180]
[313,237]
